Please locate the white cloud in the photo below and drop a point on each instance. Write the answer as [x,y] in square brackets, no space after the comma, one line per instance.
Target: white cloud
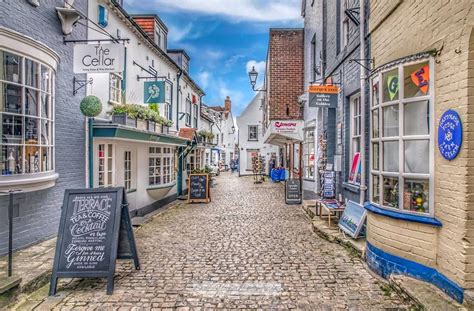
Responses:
[204,79]
[259,67]
[176,34]
[254,10]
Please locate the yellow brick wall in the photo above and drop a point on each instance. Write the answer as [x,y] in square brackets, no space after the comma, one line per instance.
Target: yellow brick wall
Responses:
[404,29]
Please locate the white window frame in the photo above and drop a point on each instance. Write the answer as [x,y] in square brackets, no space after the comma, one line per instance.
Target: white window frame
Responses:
[108,169]
[115,88]
[344,24]
[127,170]
[307,153]
[165,170]
[401,139]
[250,132]
[188,111]
[355,114]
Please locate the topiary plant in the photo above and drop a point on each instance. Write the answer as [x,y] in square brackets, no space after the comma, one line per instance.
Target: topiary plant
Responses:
[91,106]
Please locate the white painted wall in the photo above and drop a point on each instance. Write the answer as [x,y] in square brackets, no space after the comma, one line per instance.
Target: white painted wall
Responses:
[253,115]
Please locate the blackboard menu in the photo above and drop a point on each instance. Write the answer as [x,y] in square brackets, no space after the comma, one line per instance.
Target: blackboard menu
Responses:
[92,223]
[198,188]
[293,191]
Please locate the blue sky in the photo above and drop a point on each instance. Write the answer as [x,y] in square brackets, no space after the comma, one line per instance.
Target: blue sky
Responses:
[223,38]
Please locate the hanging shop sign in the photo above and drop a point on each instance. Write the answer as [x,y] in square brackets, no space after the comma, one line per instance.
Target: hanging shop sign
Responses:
[102,58]
[293,191]
[94,231]
[352,220]
[154,92]
[198,186]
[450,134]
[325,96]
[288,127]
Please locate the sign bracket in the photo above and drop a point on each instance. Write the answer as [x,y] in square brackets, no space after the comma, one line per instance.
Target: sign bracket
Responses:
[371,61]
[97,40]
[80,83]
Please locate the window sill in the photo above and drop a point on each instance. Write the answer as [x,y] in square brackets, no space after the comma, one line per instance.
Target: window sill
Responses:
[403,216]
[351,187]
[309,179]
[33,182]
[131,190]
[169,185]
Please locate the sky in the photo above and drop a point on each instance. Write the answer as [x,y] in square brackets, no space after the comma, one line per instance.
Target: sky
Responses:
[224,40]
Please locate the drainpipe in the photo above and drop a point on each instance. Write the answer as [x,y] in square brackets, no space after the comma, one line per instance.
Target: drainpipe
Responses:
[363,96]
[180,73]
[180,149]
[90,122]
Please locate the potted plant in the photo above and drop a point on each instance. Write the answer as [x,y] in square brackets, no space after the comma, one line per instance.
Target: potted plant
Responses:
[123,114]
[151,121]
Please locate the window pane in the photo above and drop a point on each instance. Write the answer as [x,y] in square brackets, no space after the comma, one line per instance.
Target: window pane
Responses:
[416,80]
[11,160]
[416,195]
[10,100]
[32,161]
[375,94]
[375,156]
[45,159]
[31,130]
[390,121]
[32,73]
[31,102]
[376,189]
[45,79]
[12,129]
[375,123]
[390,191]
[417,118]
[390,85]
[45,132]
[390,156]
[11,64]
[44,105]
[417,157]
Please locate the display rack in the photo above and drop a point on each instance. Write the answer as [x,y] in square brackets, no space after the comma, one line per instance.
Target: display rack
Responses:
[258,168]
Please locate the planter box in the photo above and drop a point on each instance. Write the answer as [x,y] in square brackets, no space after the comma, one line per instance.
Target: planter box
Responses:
[124,119]
[142,125]
[151,126]
[165,129]
[158,129]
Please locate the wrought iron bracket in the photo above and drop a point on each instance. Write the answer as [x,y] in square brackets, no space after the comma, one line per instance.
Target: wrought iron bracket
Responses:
[371,61]
[354,15]
[98,40]
[79,84]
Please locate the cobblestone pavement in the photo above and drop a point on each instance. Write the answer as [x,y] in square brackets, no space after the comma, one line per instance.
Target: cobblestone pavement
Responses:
[246,249]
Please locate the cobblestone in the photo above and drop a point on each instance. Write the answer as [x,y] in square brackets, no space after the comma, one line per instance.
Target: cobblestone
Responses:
[244,250]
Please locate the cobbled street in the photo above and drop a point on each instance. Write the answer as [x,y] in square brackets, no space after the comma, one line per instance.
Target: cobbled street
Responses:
[247,249]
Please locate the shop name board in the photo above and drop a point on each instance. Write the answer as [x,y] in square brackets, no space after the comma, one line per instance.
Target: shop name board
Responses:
[102,58]
[287,126]
[325,96]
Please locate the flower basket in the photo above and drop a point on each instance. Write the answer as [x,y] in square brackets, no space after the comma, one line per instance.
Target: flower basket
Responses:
[124,119]
[151,126]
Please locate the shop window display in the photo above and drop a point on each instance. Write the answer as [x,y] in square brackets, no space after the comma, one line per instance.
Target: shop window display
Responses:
[26,100]
[401,157]
[309,154]
[161,166]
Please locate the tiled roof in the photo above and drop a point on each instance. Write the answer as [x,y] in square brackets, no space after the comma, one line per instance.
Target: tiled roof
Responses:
[187,133]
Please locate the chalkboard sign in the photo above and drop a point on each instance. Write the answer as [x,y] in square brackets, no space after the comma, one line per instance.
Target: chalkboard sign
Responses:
[95,229]
[353,219]
[198,188]
[293,191]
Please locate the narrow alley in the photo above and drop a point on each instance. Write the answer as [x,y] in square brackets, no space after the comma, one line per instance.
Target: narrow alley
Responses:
[246,249]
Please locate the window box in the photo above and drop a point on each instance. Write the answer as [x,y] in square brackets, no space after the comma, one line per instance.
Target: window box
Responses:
[165,129]
[158,129]
[151,126]
[142,125]
[124,119]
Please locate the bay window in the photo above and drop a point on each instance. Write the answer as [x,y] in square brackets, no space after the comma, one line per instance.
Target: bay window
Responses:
[26,114]
[161,166]
[402,126]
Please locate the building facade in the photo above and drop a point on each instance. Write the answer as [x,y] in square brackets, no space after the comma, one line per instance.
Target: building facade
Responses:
[250,138]
[43,130]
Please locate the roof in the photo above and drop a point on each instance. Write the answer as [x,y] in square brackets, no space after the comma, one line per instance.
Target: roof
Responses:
[217,108]
[156,17]
[173,51]
[187,133]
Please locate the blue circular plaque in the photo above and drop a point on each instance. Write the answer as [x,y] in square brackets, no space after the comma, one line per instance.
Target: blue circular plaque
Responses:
[450,134]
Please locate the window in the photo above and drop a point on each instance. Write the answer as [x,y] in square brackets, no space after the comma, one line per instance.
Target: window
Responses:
[188,112]
[158,39]
[115,89]
[402,122]
[194,162]
[195,116]
[106,165]
[27,115]
[167,104]
[308,154]
[253,132]
[127,170]
[345,24]
[223,157]
[313,59]
[356,126]
[161,166]
[207,158]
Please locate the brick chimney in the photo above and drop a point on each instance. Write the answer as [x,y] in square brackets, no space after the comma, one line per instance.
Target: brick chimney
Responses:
[227,105]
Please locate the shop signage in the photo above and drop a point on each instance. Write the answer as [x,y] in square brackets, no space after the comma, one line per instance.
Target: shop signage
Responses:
[421,78]
[353,219]
[323,96]
[450,134]
[393,86]
[154,92]
[293,191]
[355,172]
[198,186]
[102,58]
[289,127]
[94,231]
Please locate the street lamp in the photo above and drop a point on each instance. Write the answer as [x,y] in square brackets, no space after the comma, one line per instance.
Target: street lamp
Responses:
[253,75]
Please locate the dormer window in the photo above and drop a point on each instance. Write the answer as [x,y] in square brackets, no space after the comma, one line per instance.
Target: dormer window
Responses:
[158,38]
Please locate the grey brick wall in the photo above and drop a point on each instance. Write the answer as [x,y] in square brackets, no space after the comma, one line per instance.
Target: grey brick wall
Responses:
[38,212]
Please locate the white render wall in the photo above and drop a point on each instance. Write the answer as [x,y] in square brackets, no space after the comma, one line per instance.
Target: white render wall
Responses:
[253,115]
